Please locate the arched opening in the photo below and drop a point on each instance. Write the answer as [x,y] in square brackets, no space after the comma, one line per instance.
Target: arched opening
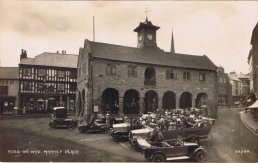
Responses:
[169,100]
[150,76]
[201,100]
[131,102]
[151,101]
[185,100]
[110,100]
[83,102]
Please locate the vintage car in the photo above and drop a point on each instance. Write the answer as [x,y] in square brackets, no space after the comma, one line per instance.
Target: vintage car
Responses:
[192,134]
[59,119]
[96,126]
[171,150]
[121,131]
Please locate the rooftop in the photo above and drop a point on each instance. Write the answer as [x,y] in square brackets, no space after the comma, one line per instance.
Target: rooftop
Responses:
[52,59]
[150,56]
[9,72]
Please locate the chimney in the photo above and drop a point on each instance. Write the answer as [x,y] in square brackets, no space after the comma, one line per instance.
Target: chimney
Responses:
[23,54]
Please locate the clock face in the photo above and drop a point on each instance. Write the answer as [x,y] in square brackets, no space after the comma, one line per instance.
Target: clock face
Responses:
[140,37]
[150,37]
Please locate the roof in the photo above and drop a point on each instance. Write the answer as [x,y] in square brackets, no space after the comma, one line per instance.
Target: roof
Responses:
[254,34]
[9,72]
[146,24]
[52,59]
[233,77]
[254,105]
[150,56]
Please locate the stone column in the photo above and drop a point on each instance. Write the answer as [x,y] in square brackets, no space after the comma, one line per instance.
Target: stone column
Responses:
[121,106]
[141,103]
[160,102]
[177,100]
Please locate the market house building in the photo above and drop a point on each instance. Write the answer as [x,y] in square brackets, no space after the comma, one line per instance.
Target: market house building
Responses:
[9,87]
[46,81]
[125,80]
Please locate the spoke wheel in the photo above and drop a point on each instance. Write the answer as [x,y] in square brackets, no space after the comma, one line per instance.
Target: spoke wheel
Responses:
[158,158]
[70,125]
[200,156]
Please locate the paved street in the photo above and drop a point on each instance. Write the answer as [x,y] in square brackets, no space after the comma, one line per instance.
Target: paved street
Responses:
[33,140]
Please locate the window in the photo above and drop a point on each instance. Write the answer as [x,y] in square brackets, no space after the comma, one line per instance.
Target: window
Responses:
[41,72]
[202,77]
[61,87]
[220,79]
[41,86]
[186,75]
[132,71]
[61,74]
[170,74]
[73,74]
[111,69]
[73,87]
[27,86]
[3,90]
[26,71]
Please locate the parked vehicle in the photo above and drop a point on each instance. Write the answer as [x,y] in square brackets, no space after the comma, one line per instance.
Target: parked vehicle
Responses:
[59,119]
[171,150]
[96,126]
[121,131]
[192,134]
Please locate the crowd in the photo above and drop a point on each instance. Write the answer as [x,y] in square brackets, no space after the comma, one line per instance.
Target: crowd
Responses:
[175,119]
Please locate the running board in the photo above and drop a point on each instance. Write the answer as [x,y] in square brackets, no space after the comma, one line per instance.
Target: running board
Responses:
[178,158]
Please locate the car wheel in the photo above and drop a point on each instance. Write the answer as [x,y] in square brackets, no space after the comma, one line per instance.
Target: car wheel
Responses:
[137,148]
[158,158]
[200,156]
[70,125]
[104,130]
[80,130]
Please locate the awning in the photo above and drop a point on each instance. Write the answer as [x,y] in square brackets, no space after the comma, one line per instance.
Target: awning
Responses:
[255,105]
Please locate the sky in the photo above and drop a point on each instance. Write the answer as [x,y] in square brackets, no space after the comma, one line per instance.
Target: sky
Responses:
[220,30]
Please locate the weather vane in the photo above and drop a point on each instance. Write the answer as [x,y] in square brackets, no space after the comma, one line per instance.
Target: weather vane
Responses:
[146,11]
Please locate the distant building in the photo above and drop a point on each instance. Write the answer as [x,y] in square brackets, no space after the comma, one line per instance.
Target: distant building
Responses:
[46,81]
[9,87]
[123,80]
[253,61]
[224,88]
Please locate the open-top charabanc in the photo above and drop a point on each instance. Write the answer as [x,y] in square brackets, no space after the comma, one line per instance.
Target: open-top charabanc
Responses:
[59,119]
[171,150]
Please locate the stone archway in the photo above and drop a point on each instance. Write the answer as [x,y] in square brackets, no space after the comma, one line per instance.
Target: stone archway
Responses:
[201,100]
[151,101]
[131,102]
[110,98]
[169,100]
[185,100]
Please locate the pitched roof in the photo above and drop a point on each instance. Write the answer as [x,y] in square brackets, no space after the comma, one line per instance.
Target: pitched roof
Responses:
[9,72]
[254,34]
[52,59]
[150,56]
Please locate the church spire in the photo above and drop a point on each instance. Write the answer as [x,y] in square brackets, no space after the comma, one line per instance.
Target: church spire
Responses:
[172,48]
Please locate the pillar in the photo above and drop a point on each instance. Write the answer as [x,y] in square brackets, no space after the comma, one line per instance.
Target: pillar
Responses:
[121,106]
[141,103]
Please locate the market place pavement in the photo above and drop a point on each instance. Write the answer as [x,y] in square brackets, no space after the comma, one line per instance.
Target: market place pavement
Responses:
[229,141]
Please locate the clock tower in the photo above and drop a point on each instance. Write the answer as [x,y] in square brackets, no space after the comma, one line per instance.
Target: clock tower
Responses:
[146,33]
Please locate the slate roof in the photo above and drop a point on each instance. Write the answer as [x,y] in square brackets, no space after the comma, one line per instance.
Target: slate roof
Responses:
[9,72]
[52,59]
[254,34]
[150,56]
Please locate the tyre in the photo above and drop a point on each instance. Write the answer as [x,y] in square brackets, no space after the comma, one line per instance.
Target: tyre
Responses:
[70,125]
[200,156]
[80,130]
[104,130]
[158,158]
[137,148]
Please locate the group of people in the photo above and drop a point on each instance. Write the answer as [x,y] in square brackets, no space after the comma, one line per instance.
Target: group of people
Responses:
[175,119]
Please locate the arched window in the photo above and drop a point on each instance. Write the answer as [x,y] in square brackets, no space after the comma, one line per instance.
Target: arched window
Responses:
[150,76]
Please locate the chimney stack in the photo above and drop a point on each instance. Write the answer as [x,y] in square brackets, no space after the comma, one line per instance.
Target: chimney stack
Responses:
[23,54]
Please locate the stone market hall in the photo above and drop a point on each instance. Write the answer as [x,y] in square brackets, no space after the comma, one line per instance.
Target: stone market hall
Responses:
[123,80]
